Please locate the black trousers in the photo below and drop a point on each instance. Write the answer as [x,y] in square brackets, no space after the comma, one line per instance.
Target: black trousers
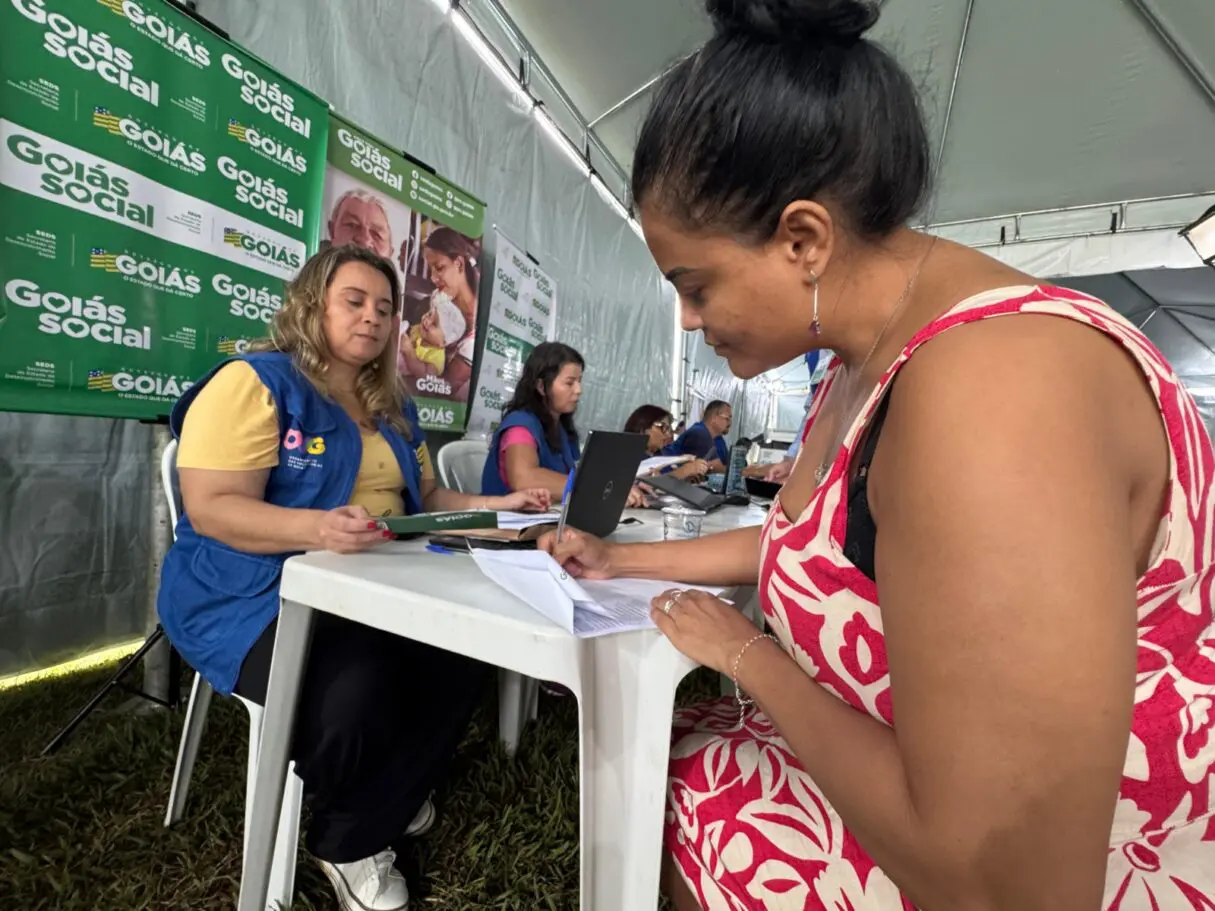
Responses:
[379,720]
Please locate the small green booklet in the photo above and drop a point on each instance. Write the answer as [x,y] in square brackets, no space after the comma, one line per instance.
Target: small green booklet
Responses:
[429,522]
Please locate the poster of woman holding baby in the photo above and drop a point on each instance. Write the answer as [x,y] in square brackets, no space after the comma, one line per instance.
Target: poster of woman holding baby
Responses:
[380,199]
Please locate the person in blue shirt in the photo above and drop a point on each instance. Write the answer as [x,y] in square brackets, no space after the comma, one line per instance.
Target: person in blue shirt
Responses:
[537,444]
[304,444]
[706,439]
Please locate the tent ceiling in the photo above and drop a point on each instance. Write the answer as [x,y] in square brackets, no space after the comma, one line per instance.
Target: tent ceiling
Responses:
[1056,104]
[1175,307]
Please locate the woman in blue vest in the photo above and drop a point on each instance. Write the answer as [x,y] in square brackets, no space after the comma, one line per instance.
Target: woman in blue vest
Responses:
[536,446]
[302,445]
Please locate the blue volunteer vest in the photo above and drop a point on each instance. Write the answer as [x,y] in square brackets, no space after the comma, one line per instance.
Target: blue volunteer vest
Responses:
[560,460]
[214,601]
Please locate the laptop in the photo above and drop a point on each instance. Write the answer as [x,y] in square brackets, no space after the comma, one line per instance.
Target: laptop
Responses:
[603,479]
[692,494]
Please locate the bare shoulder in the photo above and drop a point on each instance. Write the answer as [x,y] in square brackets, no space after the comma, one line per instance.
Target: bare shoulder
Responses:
[1028,383]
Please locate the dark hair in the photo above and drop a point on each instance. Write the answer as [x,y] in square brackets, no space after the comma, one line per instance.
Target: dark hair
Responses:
[645,417]
[539,372]
[454,245]
[713,407]
[786,101]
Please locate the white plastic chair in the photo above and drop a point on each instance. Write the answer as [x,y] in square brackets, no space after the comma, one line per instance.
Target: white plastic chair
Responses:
[282,873]
[460,465]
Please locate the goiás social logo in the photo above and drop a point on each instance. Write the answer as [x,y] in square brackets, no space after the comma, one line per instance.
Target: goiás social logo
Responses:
[507,284]
[370,159]
[253,302]
[133,385]
[171,37]
[268,147]
[265,97]
[92,52]
[77,317]
[260,193]
[492,398]
[152,141]
[79,181]
[146,272]
[263,248]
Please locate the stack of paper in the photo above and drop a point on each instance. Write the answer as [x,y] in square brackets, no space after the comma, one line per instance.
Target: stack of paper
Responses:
[583,608]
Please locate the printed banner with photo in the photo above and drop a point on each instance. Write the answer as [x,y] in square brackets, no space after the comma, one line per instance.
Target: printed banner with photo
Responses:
[157,185]
[377,198]
[522,314]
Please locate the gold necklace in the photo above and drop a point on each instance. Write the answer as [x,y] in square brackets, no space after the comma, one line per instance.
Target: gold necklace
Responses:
[821,471]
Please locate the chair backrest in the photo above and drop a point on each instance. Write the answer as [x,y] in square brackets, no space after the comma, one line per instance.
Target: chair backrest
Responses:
[461,463]
[168,479]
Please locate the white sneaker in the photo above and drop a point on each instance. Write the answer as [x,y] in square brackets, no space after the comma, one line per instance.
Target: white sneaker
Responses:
[370,884]
[423,821]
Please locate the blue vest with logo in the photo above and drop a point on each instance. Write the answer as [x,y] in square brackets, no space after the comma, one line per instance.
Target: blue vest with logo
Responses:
[214,601]
[561,460]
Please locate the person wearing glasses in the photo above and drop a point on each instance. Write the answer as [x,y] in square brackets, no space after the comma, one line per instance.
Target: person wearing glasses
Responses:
[656,423]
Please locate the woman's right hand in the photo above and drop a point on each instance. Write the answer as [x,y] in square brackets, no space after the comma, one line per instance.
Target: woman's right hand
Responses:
[349,530]
[581,555]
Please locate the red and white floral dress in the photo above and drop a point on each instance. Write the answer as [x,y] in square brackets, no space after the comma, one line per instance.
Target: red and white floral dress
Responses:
[749,828]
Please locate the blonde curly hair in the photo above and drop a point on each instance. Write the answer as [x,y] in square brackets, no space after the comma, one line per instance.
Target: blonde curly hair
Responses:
[298,329]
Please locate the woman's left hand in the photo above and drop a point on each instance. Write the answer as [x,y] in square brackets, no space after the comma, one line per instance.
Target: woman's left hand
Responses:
[636,498]
[535,500]
[708,630]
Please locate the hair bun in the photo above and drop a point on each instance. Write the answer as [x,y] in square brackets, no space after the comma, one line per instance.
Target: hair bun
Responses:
[795,21]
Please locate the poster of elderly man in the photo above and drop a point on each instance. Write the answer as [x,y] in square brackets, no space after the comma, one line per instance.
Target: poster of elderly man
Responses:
[377,198]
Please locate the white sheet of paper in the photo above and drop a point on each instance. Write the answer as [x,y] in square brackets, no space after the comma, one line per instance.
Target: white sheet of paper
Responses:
[585,609]
[527,575]
[657,463]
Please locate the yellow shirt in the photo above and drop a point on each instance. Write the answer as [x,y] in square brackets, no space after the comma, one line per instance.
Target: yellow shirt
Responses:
[232,425]
[427,354]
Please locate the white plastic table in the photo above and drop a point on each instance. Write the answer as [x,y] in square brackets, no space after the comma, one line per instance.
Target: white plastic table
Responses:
[625,685]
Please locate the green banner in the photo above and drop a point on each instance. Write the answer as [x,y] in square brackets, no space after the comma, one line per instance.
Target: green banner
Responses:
[431,229]
[157,185]
[522,306]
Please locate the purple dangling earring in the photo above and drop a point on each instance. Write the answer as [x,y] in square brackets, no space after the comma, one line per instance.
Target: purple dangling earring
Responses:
[815,326]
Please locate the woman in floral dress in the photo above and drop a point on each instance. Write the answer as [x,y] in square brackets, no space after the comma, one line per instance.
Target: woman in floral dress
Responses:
[990,679]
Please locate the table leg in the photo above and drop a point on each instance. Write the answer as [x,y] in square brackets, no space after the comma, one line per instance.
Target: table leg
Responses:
[286,672]
[624,785]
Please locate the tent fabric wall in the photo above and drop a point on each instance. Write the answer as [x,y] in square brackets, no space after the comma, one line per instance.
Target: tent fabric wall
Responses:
[405,73]
[74,536]
[709,377]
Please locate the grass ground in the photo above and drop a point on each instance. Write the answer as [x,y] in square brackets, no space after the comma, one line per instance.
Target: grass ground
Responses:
[82,830]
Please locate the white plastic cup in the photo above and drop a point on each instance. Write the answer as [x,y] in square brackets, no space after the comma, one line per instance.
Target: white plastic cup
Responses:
[681,523]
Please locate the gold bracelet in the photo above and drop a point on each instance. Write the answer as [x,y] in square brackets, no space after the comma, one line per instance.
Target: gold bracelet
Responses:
[745,701]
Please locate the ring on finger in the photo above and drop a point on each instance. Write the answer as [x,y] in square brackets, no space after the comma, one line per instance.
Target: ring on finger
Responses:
[666,608]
